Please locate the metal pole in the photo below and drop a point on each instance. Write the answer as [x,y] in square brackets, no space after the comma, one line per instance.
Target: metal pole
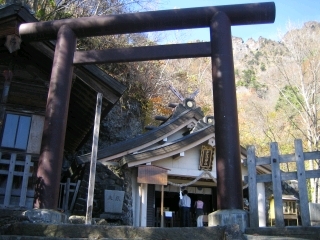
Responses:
[239,14]
[93,162]
[51,154]
[229,181]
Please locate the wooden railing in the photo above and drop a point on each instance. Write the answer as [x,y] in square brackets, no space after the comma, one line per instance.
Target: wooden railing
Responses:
[274,160]
[67,195]
[15,173]
[17,188]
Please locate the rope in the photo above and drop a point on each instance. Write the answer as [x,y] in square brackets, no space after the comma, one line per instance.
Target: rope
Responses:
[195,180]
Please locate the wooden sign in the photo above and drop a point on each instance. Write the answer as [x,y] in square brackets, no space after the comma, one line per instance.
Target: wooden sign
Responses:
[206,157]
[152,175]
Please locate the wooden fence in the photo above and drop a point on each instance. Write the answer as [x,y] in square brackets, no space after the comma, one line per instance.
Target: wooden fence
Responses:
[16,189]
[17,186]
[67,195]
[274,160]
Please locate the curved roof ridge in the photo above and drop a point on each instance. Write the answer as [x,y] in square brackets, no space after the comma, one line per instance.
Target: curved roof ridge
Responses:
[144,140]
[172,148]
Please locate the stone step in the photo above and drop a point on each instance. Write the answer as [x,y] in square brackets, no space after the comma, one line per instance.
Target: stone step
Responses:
[82,231]
[16,237]
[289,232]
[256,237]
[39,231]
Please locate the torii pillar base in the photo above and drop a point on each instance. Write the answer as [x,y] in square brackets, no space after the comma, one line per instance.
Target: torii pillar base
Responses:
[229,218]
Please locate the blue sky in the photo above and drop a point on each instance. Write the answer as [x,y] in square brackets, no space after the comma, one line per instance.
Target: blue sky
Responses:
[295,11]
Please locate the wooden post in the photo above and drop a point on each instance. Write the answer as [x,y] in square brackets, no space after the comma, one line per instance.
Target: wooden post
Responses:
[93,163]
[25,180]
[75,195]
[276,180]
[12,165]
[302,184]
[252,182]
[66,196]
[140,206]
[161,210]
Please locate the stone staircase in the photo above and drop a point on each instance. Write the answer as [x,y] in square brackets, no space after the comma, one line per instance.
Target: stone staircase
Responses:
[37,231]
[289,232]
[81,231]
[44,224]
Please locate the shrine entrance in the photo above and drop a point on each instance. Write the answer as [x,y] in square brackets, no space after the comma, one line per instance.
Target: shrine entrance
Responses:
[171,204]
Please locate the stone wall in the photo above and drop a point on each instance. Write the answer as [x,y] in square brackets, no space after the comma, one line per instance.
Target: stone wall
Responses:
[105,179]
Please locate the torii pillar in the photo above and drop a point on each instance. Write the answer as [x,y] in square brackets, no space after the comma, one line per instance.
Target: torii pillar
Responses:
[51,155]
[229,176]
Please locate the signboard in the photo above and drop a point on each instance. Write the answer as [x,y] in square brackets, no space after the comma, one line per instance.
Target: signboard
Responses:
[206,157]
[113,201]
[152,175]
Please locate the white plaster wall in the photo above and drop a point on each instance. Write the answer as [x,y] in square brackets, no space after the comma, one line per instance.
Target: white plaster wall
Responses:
[35,136]
[188,165]
[244,171]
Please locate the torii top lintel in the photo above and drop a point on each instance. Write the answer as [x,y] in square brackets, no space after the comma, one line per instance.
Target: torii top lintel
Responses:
[239,14]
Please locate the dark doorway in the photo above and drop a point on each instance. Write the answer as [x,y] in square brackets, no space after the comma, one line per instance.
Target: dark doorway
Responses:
[172,211]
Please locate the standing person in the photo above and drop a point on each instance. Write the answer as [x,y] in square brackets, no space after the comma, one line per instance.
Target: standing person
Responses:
[198,205]
[185,204]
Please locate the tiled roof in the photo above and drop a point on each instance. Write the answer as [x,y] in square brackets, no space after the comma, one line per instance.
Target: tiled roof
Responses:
[142,141]
[173,147]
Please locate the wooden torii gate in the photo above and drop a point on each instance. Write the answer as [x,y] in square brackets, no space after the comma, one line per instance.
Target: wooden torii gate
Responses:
[218,19]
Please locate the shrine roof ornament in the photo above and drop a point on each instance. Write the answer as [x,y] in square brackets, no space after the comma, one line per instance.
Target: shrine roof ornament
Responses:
[188,102]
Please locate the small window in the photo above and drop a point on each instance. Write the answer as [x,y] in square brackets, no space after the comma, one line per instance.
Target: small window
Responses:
[16,131]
